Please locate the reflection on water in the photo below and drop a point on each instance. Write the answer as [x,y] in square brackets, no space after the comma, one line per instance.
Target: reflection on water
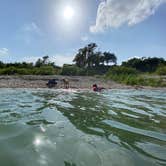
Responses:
[56,127]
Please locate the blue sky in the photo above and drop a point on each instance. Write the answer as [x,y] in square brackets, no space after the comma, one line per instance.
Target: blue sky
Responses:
[34,28]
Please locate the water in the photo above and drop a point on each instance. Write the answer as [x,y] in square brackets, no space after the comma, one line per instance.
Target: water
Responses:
[61,128]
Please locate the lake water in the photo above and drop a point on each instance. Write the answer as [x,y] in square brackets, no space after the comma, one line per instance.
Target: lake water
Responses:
[70,128]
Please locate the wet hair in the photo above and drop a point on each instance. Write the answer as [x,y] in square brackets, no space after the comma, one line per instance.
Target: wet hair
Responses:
[94,85]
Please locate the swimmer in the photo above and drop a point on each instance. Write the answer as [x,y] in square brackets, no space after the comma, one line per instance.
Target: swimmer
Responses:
[96,88]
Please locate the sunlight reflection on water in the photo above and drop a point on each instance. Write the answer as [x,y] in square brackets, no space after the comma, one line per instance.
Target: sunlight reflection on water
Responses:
[116,127]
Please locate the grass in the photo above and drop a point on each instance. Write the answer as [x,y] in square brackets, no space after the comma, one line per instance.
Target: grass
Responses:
[130,76]
[138,80]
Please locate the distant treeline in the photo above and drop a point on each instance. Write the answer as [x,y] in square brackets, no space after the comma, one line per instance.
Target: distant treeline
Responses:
[145,64]
[88,61]
[41,67]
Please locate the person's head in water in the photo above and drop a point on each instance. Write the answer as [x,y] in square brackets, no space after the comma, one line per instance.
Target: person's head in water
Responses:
[95,88]
[94,85]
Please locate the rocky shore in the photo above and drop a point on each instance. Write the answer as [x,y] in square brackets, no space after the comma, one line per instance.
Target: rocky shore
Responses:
[76,82]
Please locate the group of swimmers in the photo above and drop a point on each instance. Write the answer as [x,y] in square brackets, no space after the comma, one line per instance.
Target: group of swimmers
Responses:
[53,82]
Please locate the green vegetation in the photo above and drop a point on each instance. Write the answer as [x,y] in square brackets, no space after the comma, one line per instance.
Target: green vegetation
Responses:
[130,76]
[87,57]
[44,70]
[145,64]
[73,70]
[41,67]
[89,62]
[161,70]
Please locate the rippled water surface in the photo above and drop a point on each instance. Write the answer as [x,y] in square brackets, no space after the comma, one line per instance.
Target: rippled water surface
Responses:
[70,128]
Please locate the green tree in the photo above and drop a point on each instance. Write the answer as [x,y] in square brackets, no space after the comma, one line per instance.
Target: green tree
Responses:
[2,65]
[84,57]
[145,64]
[39,63]
[80,59]
[110,58]
[97,58]
[45,59]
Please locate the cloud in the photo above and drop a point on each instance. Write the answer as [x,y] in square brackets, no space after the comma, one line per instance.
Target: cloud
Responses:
[62,59]
[137,57]
[115,13]
[4,51]
[30,59]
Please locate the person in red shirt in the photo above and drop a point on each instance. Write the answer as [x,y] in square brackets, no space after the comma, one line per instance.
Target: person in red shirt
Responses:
[96,88]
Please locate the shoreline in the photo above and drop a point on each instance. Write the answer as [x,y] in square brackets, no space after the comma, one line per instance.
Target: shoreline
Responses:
[76,82]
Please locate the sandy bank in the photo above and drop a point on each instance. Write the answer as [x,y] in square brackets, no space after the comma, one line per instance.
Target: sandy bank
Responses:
[81,82]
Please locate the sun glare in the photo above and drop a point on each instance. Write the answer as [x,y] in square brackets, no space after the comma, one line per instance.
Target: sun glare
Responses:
[68,13]
[37,141]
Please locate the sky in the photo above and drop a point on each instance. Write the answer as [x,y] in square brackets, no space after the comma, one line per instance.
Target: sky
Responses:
[31,29]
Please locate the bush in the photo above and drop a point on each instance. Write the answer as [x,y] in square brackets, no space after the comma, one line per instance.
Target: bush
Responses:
[44,70]
[122,74]
[121,70]
[89,71]
[161,70]
[130,76]
[9,71]
[70,70]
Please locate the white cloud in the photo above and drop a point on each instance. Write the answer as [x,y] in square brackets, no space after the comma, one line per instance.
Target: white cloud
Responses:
[4,51]
[114,13]
[134,57]
[62,59]
[30,59]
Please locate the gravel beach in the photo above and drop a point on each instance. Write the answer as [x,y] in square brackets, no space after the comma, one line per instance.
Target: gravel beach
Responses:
[33,81]
[76,82]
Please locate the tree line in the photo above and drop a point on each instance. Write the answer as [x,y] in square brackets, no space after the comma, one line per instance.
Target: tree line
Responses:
[87,61]
[44,61]
[43,66]
[145,64]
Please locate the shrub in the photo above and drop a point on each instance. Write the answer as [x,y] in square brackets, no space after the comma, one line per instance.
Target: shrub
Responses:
[44,70]
[8,71]
[161,70]
[130,76]
[70,70]
[121,70]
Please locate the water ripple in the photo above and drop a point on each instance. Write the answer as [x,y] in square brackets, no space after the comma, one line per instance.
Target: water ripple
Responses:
[116,127]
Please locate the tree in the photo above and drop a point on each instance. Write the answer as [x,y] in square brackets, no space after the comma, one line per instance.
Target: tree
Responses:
[44,62]
[84,57]
[2,65]
[102,59]
[45,59]
[88,57]
[39,63]
[145,64]
[110,58]
[97,58]
[80,59]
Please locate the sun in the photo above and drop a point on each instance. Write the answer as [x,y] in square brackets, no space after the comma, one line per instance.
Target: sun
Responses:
[68,13]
